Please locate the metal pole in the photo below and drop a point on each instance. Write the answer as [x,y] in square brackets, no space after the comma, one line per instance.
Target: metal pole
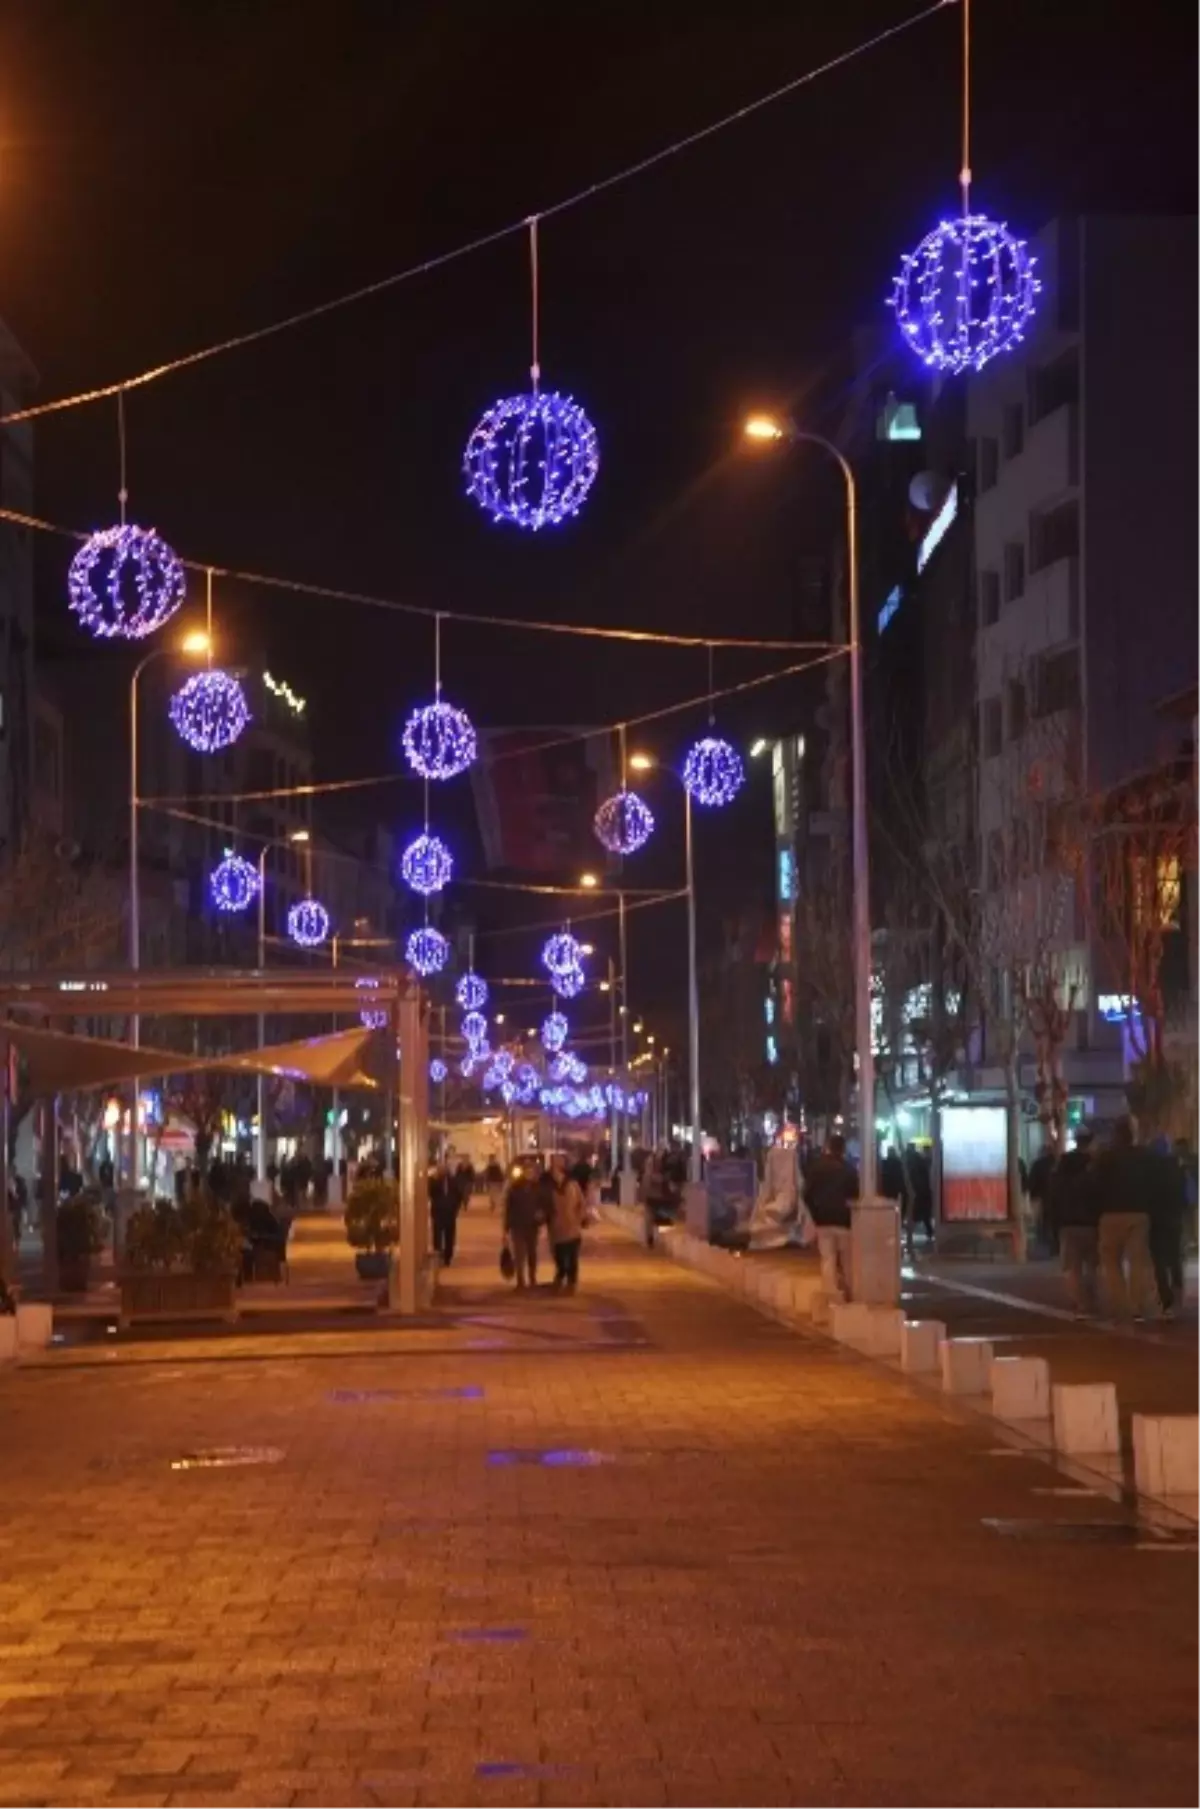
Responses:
[135,925]
[614,1116]
[261,1152]
[626,1152]
[694,1161]
[334,1195]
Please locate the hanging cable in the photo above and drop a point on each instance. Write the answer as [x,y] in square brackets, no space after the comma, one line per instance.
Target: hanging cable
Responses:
[305,315]
[965,173]
[123,492]
[535,368]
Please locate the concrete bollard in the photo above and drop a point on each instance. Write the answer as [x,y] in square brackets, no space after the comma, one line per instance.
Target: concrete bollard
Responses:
[8,1336]
[1021,1388]
[966,1365]
[884,1325]
[1085,1418]
[1166,1454]
[850,1321]
[806,1291]
[820,1309]
[920,1340]
[35,1325]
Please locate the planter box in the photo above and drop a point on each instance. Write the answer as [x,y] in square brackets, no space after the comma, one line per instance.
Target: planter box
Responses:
[372,1265]
[176,1294]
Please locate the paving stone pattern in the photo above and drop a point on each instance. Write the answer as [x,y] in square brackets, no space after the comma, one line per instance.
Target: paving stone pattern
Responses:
[671,1553]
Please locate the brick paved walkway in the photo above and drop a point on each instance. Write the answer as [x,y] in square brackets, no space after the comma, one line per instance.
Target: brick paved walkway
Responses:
[643,1546]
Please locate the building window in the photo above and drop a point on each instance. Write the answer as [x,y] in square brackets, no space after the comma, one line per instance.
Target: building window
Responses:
[989,598]
[1057,686]
[1054,385]
[989,464]
[1014,571]
[897,421]
[1018,708]
[1014,430]
[1054,534]
[993,729]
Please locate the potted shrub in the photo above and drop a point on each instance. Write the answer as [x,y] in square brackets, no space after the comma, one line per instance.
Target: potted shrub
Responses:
[82,1232]
[181,1262]
[372,1222]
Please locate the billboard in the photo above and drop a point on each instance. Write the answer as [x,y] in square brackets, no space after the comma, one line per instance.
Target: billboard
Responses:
[974,1164]
[536,792]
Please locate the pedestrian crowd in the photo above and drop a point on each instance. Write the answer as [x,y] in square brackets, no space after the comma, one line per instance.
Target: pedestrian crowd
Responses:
[553,1201]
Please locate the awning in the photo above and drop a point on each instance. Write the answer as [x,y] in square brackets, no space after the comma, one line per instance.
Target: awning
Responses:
[59,1062]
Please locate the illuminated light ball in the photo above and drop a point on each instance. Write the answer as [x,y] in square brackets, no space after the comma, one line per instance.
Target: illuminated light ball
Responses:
[474,1026]
[480,1051]
[233,883]
[438,1071]
[624,823]
[503,1063]
[492,1078]
[472,992]
[615,1096]
[561,952]
[966,294]
[210,711]
[560,1068]
[427,865]
[507,1092]
[427,951]
[532,459]
[124,583]
[466,1066]
[570,983]
[439,741]
[576,1069]
[555,1031]
[308,923]
[713,771]
[371,1015]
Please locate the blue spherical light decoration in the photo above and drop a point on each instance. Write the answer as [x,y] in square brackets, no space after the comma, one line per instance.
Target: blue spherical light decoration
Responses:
[371,1015]
[532,459]
[308,923]
[427,951]
[474,1026]
[233,883]
[472,992]
[466,1066]
[503,1063]
[438,1071]
[966,294]
[507,1092]
[713,771]
[209,711]
[439,741]
[124,583]
[555,1031]
[562,952]
[624,823]
[569,983]
[427,864]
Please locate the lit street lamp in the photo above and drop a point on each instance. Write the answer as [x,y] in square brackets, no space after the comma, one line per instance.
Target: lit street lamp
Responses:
[769,428]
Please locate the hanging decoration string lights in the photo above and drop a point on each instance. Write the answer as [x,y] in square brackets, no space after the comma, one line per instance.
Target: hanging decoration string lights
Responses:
[308,923]
[624,823]
[555,1031]
[969,290]
[371,1015]
[471,991]
[210,711]
[713,771]
[427,864]
[562,952]
[569,983]
[474,1027]
[532,459]
[438,1071]
[427,951]
[439,739]
[125,582]
[233,883]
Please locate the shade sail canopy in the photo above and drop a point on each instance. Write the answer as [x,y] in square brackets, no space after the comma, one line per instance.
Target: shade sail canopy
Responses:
[59,1062]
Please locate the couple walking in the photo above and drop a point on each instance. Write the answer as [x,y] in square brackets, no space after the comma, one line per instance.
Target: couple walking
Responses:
[555,1200]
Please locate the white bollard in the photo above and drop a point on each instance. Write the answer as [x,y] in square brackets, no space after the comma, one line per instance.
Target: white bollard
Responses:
[8,1336]
[1021,1388]
[35,1325]
[850,1321]
[1166,1454]
[884,1325]
[920,1341]
[1085,1418]
[966,1365]
[806,1291]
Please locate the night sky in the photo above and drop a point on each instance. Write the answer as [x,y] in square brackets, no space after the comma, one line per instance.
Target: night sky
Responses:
[172,173]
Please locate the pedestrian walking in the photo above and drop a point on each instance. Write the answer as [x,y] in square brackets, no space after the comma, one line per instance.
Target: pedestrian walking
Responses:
[522,1209]
[829,1186]
[1071,1210]
[1168,1209]
[1121,1184]
[443,1211]
[493,1180]
[566,1224]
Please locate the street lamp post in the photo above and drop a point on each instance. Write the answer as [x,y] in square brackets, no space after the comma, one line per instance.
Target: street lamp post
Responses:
[261,1146]
[195,643]
[762,427]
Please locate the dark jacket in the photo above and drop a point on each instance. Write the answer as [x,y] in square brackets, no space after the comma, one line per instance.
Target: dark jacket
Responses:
[1072,1200]
[829,1186]
[522,1207]
[1135,1179]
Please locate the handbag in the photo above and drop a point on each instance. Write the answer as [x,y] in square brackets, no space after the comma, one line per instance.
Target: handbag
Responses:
[508,1262]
